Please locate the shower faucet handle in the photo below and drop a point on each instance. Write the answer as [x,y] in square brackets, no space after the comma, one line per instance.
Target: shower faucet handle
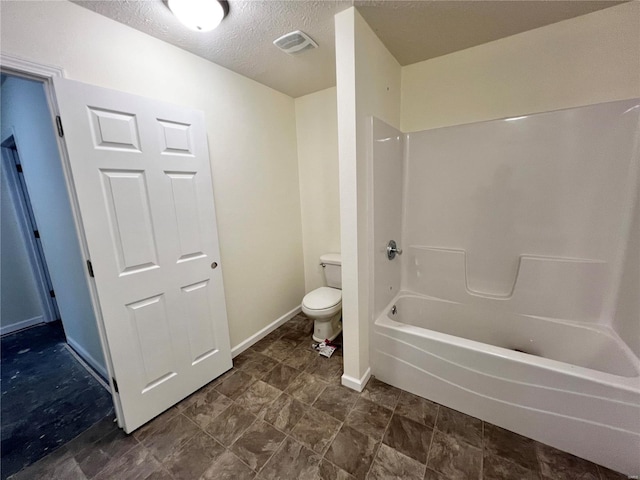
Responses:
[392,250]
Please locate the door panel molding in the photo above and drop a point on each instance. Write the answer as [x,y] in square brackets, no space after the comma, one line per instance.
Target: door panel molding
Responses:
[142,176]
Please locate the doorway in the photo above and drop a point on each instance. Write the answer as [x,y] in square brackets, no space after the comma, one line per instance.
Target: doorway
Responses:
[17,198]
[137,175]
[52,360]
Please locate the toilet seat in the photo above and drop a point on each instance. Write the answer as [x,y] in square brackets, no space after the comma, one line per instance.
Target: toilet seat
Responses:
[323,301]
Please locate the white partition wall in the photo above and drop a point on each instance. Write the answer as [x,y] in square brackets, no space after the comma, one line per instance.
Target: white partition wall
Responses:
[368,79]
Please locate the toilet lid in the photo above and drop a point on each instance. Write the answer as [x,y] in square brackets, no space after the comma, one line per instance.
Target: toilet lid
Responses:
[322,298]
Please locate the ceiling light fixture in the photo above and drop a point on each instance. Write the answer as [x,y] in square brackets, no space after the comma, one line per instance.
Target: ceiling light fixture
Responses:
[199,15]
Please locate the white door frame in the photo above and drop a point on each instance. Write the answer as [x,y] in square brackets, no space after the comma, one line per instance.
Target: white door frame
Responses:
[20,67]
[36,262]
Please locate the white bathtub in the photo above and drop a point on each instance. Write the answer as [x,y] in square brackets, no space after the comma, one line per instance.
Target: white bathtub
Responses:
[577,383]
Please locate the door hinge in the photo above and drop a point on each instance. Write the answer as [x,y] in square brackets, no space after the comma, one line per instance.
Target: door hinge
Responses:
[36,233]
[59,125]
[19,168]
[115,385]
[90,268]
[52,294]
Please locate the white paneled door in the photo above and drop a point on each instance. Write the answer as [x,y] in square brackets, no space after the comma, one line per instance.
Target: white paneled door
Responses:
[142,178]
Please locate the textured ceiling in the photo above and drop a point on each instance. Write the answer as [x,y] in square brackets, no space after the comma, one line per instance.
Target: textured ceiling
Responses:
[412,31]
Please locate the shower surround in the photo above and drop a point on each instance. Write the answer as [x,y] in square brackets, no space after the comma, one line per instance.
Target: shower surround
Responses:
[512,296]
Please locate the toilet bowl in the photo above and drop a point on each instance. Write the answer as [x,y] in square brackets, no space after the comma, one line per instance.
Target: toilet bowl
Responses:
[324,305]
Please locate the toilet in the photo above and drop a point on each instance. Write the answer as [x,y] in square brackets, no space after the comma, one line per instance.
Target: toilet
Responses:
[324,305]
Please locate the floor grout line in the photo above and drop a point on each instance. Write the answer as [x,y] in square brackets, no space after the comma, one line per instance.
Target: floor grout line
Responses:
[433,434]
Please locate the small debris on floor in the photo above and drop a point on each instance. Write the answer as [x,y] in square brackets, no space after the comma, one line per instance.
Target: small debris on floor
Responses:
[325,348]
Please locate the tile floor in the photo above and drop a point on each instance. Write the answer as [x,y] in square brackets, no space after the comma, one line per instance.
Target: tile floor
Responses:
[47,399]
[281,413]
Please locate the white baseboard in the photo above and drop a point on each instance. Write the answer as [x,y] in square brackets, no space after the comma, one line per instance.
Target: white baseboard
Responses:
[354,383]
[84,355]
[14,327]
[253,339]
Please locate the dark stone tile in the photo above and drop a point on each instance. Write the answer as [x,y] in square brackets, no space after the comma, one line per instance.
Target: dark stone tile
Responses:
[95,456]
[390,464]
[194,457]
[228,467]
[327,369]
[161,474]
[170,436]
[606,474]
[369,418]
[352,451]
[408,437]
[417,408]
[515,448]
[328,471]
[455,459]
[258,396]
[300,358]
[337,401]
[498,468]
[243,358]
[157,423]
[316,430]
[295,337]
[433,475]
[267,341]
[221,378]
[564,466]
[48,398]
[281,376]
[381,393]
[255,364]
[235,385]
[206,406]
[100,429]
[258,444]
[57,465]
[306,388]
[230,424]
[302,322]
[280,349]
[292,460]
[137,464]
[460,425]
[204,391]
[284,413]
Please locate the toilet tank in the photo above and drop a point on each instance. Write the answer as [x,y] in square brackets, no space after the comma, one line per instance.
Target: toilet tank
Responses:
[332,269]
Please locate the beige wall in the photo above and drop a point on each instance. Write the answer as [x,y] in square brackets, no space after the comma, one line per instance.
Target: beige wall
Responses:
[251,131]
[589,59]
[317,136]
[368,79]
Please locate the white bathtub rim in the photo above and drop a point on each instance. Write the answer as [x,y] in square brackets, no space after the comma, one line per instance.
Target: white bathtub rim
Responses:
[523,430]
[631,384]
[627,403]
[519,405]
[597,328]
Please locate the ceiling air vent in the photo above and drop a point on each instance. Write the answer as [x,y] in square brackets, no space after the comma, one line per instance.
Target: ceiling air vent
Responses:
[295,42]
